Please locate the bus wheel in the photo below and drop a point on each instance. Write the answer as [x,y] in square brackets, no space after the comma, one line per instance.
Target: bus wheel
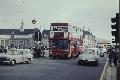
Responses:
[77,55]
[66,56]
[54,57]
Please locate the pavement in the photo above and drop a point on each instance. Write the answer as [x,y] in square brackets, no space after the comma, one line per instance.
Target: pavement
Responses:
[111,73]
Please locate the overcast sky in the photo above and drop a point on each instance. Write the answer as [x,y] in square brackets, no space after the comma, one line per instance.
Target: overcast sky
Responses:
[93,14]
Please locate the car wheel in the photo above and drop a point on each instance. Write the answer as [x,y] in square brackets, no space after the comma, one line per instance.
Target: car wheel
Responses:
[29,61]
[102,55]
[12,63]
[77,55]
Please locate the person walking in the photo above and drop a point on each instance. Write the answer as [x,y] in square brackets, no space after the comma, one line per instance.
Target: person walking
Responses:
[35,52]
[39,52]
[110,55]
[43,50]
[115,57]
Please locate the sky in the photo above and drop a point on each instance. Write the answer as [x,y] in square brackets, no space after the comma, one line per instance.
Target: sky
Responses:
[93,14]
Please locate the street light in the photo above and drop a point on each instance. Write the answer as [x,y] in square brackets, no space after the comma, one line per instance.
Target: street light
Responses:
[34,22]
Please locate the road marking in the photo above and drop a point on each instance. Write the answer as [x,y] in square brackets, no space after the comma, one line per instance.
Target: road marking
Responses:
[103,75]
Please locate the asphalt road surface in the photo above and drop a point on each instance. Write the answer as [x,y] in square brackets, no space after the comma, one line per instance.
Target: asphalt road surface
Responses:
[52,69]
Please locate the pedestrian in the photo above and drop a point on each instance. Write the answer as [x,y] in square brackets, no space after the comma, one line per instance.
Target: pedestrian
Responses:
[42,50]
[115,57]
[39,52]
[35,52]
[110,55]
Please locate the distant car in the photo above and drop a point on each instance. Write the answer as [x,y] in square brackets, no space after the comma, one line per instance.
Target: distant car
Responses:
[104,50]
[89,56]
[13,56]
[101,54]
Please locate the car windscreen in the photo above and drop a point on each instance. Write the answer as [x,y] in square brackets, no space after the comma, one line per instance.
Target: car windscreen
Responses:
[88,51]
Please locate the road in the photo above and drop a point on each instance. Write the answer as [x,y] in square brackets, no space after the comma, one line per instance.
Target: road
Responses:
[52,69]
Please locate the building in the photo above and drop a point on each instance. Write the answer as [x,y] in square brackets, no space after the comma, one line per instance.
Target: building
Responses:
[16,37]
[89,40]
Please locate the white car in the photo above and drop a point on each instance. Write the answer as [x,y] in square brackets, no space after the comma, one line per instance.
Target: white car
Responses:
[88,56]
[13,56]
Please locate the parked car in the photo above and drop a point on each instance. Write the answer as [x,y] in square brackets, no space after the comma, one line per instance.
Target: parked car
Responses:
[89,56]
[13,56]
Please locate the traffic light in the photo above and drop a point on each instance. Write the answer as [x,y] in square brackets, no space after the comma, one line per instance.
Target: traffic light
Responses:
[116,27]
[37,35]
[116,40]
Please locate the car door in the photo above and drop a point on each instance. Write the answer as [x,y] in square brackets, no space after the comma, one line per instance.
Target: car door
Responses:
[28,54]
[19,56]
[24,56]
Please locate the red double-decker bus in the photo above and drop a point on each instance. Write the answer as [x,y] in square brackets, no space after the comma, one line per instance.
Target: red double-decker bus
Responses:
[65,40]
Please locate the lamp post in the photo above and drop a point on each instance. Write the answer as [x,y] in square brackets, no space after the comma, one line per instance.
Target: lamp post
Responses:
[34,22]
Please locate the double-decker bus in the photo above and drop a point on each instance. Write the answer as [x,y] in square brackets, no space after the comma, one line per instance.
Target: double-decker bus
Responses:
[65,40]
